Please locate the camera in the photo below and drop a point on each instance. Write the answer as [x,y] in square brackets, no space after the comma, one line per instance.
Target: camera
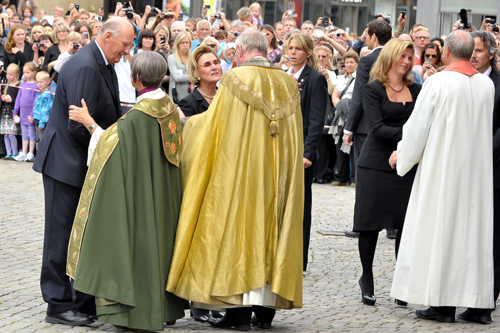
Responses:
[496,28]
[207,6]
[40,44]
[338,34]
[403,14]
[318,38]
[326,21]
[236,33]
[491,21]
[129,11]
[464,21]
[169,15]
[76,45]
[217,16]
[163,39]
[77,7]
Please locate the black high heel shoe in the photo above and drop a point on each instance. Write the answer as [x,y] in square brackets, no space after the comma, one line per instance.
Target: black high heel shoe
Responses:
[366,297]
[400,302]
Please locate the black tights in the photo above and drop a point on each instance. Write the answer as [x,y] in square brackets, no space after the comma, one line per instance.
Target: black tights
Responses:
[367,245]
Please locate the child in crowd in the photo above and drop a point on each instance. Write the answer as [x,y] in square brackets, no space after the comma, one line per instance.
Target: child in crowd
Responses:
[256,17]
[23,111]
[8,127]
[43,104]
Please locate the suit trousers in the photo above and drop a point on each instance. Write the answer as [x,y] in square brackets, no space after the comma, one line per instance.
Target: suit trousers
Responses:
[61,201]
[308,180]
[326,152]
[341,170]
[358,140]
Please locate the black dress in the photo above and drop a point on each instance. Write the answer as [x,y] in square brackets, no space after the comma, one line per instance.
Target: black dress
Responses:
[20,58]
[52,54]
[381,195]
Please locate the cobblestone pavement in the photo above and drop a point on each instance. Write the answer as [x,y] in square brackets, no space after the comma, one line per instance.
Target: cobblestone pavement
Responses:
[331,293]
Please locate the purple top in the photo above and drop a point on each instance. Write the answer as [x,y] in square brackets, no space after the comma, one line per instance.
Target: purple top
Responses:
[24,102]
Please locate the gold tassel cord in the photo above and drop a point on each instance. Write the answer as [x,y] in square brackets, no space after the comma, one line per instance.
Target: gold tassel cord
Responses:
[274,126]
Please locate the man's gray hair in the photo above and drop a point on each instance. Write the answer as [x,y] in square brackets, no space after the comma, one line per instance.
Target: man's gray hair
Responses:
[114,25]
[292,32]
[237,23]
[150,66]
[489,43]
[178,23]
[252,40]
[200,22]
[460,44]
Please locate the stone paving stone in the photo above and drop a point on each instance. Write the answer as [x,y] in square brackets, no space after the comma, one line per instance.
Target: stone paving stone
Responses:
[331,293]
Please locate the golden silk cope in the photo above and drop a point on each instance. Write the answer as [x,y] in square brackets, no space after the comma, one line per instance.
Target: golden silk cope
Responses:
[240,226]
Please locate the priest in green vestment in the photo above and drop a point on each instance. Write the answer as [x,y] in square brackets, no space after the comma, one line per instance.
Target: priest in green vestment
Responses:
[239,238]
[123,235]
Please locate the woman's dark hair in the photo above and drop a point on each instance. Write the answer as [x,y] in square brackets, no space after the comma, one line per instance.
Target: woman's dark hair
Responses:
[81,24]
[147,33]
[432,46]
[274,41]
[440,40]
[42,37]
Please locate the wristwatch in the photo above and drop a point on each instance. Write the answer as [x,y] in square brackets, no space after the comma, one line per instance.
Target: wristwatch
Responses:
[91,127]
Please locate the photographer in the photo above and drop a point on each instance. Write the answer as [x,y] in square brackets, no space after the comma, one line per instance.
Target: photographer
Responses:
[40,49]
[74,44]
[235,29]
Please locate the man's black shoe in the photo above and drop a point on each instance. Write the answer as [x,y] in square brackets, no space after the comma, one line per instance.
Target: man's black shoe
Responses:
[439,314]
[476,315]
[70,317]
[227,322]
[352,234]
[392,233]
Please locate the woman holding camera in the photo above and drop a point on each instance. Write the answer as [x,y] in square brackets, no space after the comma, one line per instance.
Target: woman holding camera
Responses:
[162,36]
[273,50]
[40,50]
[17,49]
[431,58]
[85,31]
[60,37]
[177,63]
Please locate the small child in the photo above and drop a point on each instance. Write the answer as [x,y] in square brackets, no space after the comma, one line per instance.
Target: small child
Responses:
[43,104]
[256,17]
[23,111]
[8,126]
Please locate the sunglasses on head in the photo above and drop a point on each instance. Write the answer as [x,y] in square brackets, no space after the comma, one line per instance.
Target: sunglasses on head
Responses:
[431,56]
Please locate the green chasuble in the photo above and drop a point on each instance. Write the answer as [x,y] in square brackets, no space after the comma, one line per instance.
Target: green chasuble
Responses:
[123,236]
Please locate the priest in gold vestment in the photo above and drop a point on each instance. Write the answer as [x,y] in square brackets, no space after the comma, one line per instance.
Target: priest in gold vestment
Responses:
[239,239]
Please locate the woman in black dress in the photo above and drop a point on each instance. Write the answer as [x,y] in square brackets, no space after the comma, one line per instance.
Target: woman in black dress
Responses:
[381,195]
[17,49]
[60,37]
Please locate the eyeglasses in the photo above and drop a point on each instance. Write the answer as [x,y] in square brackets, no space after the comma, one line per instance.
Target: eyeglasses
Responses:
[62,31]
[211,45]
[431,56]
[422,37]
[184,43]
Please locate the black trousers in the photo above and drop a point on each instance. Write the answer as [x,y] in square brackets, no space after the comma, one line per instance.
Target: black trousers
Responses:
[243,315]
[326,152]
[358,140]
[61,201]
[342,168]
[308,180]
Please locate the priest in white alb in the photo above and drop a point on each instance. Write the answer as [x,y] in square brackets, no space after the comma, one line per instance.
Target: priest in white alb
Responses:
[445,258]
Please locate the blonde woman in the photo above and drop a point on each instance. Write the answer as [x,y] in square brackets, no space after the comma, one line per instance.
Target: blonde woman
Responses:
[36,32]
[313,98]
[177,63]
[60,38]
[381,195]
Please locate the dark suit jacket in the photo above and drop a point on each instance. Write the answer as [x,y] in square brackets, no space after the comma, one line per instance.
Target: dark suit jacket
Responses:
[385,120]
[313,99]
[495,77]
[194,103]
[356,120]
[62,152]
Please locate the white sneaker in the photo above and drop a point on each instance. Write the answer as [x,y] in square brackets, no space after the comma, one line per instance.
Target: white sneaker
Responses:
[30,157]
[21,157]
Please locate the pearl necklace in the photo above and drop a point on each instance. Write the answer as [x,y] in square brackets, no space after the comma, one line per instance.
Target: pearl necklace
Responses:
[207,96]
[400,90]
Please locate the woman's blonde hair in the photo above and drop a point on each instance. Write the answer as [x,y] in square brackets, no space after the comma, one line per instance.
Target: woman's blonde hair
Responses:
[35,29]
[162,27]
[305,43]
[213,40]
[177,42]
[75,35]
[58,26]
[256,5]
[9,43]
[193,62]
[389,56]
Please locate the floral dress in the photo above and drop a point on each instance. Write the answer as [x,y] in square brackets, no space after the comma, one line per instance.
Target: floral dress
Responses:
[7,124]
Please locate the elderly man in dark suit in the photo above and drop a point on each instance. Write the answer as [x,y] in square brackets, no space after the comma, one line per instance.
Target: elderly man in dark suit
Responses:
[62,160]
[356,127]
[484,60]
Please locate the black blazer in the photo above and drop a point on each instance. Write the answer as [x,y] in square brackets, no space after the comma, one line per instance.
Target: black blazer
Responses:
[194,103]
[385,120]
[356,120]
[62,153]
[313,101]
[495,77]
[20,58]
[52,54]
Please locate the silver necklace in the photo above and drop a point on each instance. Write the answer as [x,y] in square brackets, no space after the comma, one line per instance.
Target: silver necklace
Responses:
[400,90]
[207,96]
